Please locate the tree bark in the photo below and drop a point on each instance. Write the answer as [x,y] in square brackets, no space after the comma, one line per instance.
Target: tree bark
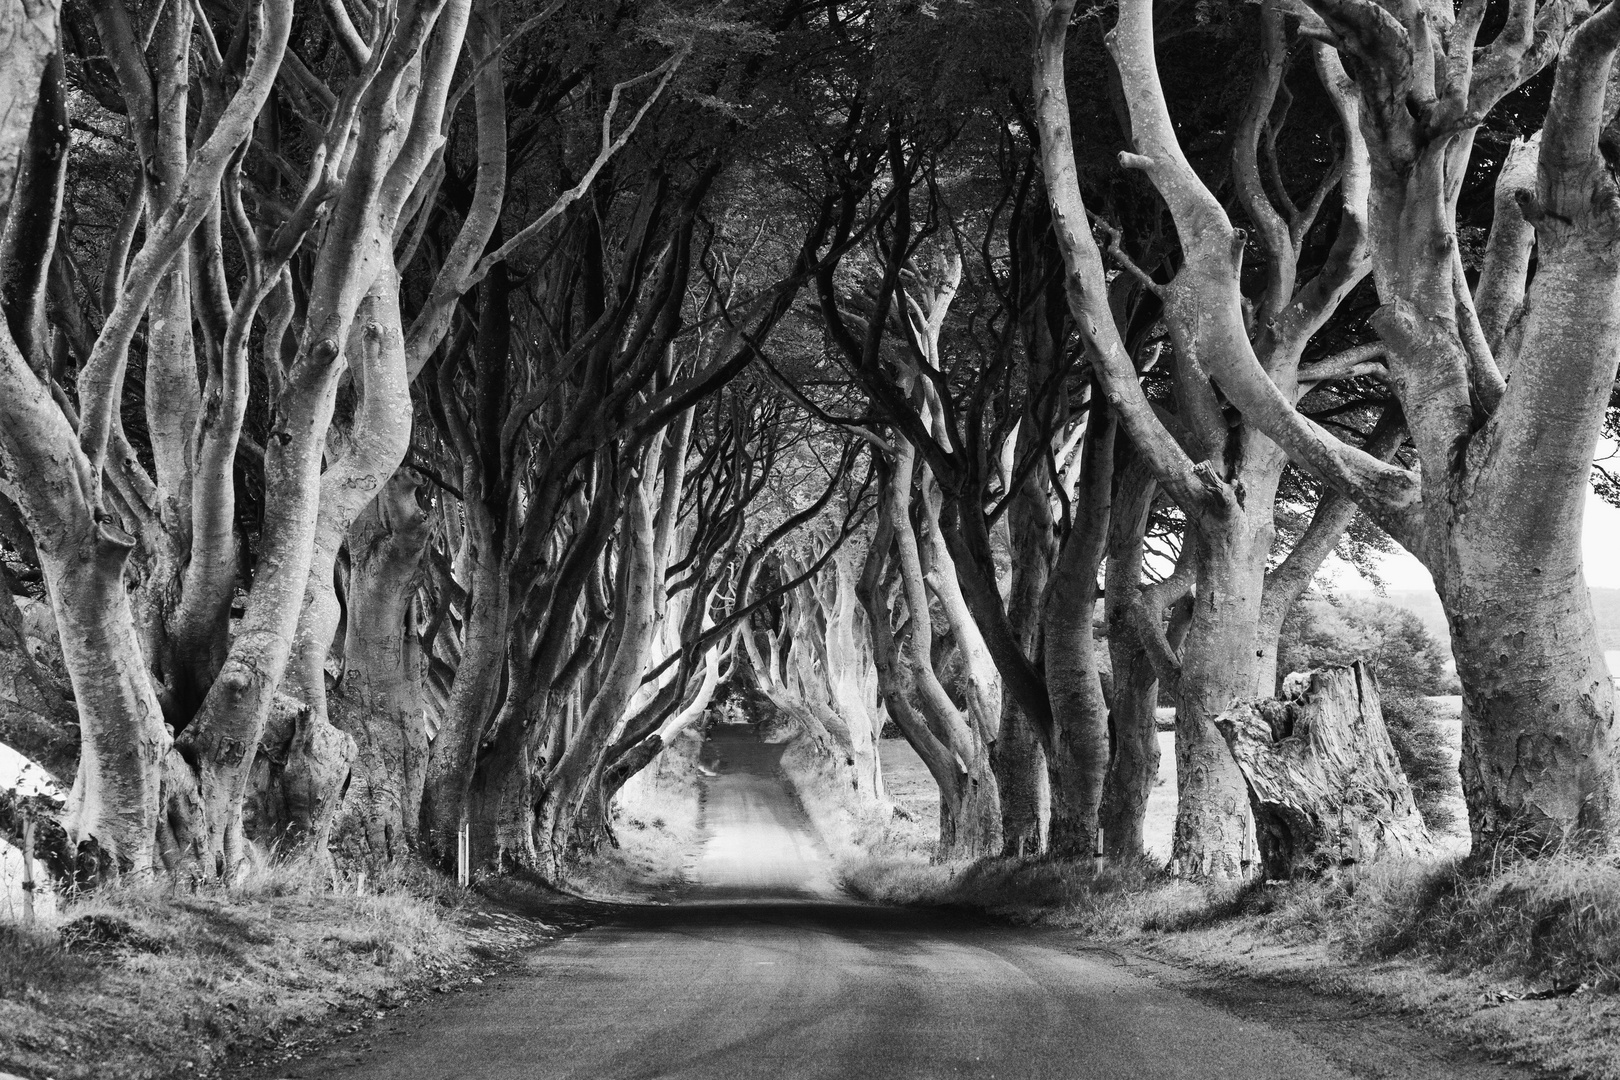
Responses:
[1133,764]
[1079,758]
[112,813]
[1219,667]
[576,775]
[360,462]
[981,682]
[474,692]
[1326,785]
[379,703]
[970,800]
[968,820]
[1019,759]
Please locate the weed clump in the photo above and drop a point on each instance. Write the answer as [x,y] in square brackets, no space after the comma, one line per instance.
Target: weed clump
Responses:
[1552,918]
[1419,740]
[101,932]
[34,963]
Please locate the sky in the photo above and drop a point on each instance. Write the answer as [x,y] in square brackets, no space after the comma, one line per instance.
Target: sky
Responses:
[1600,539]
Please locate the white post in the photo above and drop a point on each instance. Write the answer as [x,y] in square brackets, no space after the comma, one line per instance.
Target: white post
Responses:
[463,875]
[1249,851]
[28,870]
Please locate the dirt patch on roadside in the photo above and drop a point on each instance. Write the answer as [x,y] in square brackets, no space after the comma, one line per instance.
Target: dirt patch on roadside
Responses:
[1361,1034]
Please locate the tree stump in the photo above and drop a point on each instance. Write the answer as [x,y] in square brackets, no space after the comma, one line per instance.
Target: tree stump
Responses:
[1325,784]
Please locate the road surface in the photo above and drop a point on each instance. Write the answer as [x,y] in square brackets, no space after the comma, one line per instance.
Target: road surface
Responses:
[764,973]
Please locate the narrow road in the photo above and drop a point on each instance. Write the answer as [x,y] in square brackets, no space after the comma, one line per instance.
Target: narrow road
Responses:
[764,973]
[759,847]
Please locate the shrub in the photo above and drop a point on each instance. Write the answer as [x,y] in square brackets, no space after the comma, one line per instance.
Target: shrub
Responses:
[1420,742]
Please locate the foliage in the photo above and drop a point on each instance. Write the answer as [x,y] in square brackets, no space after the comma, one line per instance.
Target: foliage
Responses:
[1554,918]
[1389,639]
[1409,664]
[1414,726]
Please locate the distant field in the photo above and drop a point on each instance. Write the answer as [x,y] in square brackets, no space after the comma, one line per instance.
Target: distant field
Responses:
[908,780]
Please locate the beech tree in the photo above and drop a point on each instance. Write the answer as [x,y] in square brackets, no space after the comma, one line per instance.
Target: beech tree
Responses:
[1223,474]
[1494,508]
[315,252]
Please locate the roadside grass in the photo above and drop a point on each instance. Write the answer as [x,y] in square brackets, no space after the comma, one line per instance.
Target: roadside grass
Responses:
[851,828]
[657,821]
[1521,956]
[157,980]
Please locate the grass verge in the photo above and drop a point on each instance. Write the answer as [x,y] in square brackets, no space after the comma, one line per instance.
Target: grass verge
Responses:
[159,981]
[849,826]
[1521,957]
[657,823]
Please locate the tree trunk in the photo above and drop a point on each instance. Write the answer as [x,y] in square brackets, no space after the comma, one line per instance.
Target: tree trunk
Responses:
[29,238]
[500,803]
[111,816]
[1525,639]
[981,682]
[1326,786]
[221,741]
[970,820]
[968,823]
[1079,758]
[378,703]
[361,460]
[970,801]
[1019,760]
[225,735]
[112,812]
[1219,667]
[1539,756]
[1021,771]
[473,694]
[1133,765]
[562,807]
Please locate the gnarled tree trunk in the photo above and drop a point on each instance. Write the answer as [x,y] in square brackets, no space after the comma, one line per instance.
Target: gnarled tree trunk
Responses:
[1324,780]
[1019,759]
[1134,614]
[567,785]
[958,760]
[1079,757]
[378,703]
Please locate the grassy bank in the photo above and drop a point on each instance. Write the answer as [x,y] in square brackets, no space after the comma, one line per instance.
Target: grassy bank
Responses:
[902,820]
[657,823]
[1523,957]
[158,981]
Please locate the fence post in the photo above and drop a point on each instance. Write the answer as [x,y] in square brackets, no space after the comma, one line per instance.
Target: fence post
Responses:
[463,876]
[28,870]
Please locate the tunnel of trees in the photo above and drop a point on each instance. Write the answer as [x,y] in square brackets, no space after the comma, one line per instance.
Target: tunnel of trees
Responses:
[415,413]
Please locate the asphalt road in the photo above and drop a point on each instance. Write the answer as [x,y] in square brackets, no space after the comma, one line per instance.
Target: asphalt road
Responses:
[763,973]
